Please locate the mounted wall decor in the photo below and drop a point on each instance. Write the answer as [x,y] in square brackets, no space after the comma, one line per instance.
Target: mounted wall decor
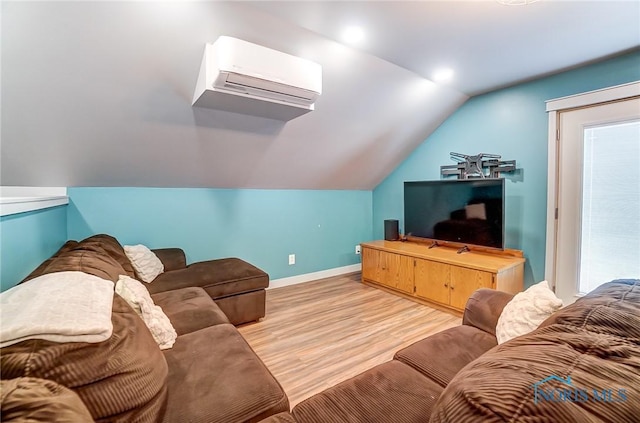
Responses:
[482,165]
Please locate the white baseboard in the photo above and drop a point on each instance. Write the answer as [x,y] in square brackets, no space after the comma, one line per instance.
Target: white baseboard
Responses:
[307,277]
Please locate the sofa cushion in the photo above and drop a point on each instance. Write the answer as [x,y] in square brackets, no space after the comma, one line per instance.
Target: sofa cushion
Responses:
[29,399]
[214,376]
[285,417]
[245,307]
[171,258]
[390,392]
[622,295]
[112,247]
[69,245]
[99,255]
[583,365]
[442,355]
[220,278]
[189,309]
[483,309]
[122,379]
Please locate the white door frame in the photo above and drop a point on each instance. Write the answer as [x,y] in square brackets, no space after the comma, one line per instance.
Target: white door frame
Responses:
[554,107]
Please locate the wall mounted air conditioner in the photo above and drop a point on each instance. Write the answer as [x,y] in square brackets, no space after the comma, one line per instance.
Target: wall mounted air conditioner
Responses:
[243,77]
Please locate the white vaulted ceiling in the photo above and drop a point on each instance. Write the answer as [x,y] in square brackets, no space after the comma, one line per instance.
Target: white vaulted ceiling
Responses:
[99,93]
[489,45]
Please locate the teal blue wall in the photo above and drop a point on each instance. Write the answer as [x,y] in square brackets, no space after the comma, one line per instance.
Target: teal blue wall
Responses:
[320,227]
[27,239]
[260,226]
[513,123]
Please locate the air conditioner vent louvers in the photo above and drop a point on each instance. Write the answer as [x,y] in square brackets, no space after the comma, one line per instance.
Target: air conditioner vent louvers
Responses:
[235,87]
[276,88]
[247,78]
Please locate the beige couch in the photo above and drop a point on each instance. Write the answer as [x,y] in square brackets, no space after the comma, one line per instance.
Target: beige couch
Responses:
[209,375]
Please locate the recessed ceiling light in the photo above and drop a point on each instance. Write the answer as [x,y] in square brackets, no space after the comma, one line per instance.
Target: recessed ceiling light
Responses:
[443,75]
[353,34]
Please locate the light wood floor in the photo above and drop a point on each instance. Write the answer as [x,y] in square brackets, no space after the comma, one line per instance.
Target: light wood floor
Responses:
[320,333]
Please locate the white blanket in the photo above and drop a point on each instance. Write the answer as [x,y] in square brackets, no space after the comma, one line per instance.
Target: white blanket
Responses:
[140,300]
[59,307]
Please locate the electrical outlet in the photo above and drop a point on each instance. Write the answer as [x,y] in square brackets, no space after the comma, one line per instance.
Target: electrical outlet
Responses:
[292,259]
[358,249]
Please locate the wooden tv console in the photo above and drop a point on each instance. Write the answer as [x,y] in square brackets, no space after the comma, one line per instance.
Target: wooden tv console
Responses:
[439,276]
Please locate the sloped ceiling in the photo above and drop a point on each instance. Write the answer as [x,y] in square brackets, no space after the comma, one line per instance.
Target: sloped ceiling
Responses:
[99,94]
[488,44]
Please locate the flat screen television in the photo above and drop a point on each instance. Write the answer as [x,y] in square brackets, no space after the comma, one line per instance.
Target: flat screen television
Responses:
[461,211]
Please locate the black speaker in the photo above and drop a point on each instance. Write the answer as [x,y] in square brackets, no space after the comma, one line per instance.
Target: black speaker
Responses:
[391,231]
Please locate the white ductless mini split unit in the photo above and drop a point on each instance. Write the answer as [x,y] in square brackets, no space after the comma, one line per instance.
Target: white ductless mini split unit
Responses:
[242,77]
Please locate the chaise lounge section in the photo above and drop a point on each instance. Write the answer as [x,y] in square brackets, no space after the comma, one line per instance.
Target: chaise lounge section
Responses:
[236,286]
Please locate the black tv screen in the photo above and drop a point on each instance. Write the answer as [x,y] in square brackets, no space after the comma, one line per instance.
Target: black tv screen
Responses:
[464,211]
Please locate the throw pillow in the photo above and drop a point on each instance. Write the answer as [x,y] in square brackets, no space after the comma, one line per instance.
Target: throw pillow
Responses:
[58,307]
[147,264]
[526,311]
[135,293]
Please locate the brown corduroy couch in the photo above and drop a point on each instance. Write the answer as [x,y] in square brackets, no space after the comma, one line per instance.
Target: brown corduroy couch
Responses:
[237,287]
[209,375]
[581,365]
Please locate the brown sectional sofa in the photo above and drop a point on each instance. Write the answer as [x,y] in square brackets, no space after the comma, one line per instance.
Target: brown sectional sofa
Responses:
[587,353]
[461,375]
[210,374]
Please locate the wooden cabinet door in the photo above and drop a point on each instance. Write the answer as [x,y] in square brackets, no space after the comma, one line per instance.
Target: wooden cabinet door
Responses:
[399,272]
[465,281]
[432,280]
[372,265]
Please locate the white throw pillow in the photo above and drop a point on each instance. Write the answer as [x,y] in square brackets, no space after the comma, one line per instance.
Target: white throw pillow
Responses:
[526,311]
[147,265]
[58,307]
[135,293]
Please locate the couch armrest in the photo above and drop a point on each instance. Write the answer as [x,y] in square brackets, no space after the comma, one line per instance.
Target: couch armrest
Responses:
[484,308]
[171,258]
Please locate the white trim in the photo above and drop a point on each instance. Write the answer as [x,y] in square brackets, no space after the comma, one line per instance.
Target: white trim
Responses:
[554,107]
[15,200]
[552,171]
[307,277]
[617,92]
[14,205]
[12,191]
